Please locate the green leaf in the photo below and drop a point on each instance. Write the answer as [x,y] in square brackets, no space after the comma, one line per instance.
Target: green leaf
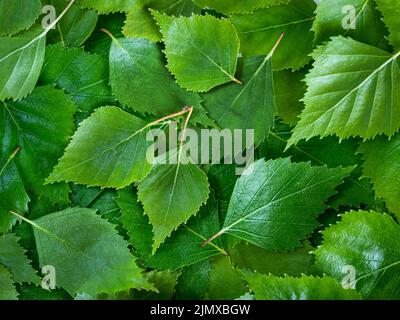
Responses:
[391,11]
[171,194]
[21,59]
[381,165]
[135,222]
[41,126]
[353,90]
[164,281]
[332,19]
[83,76]
[87,253]
[75,27]
[108,6]
[193,57]
[108,150]
[183,247]
[17,15]
[265,204]
[225,282]
[140,24]
[228,6]
[140,80]
[259,30]
[293,263]
[327,151]
[31,292]
[289,90]
[267,287]
[183,244]
[229,105]
[367,241]
[7,289]
[13,196]
[193,281]
[12,255]
[175,7]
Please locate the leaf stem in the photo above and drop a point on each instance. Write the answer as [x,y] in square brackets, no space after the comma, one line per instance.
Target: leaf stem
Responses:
[189,110]
[60,16]
[10,158]
[35,225]
[173,115]
[221,232]
[110,35]
[271,53]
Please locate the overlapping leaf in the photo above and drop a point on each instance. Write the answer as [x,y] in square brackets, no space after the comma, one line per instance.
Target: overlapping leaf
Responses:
[83,76]
[268,287]
[230,105]
[193,58]
[140,80]
[75,27]
[108,150]
[368,242]
[41,126]
[257,32]
[21,59]
[171,194]
[353,90]
[107,6]
[18,15]
[86,251]
[357,19]
[265,204]
[182,247]
[12,255]
[381,165]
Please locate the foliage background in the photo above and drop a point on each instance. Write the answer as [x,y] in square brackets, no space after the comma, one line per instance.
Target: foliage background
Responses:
[77,194]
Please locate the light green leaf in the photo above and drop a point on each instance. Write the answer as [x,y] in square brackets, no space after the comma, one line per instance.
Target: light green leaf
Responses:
[12,255]
[381,165]
[265,204]
[171,194]
[21,59]
[87,253]
[83,76]
[140,80]
[183,245]
[17,15]
[175,7]
[229,105]
[391,11]
[268,287]
[140,24]
[229,6]
[333,19]
[259,30]
[41,126]
[7,288]
[368,242]
[353,90]
[75,27]
[195,60]
[108,150]
[108,6]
